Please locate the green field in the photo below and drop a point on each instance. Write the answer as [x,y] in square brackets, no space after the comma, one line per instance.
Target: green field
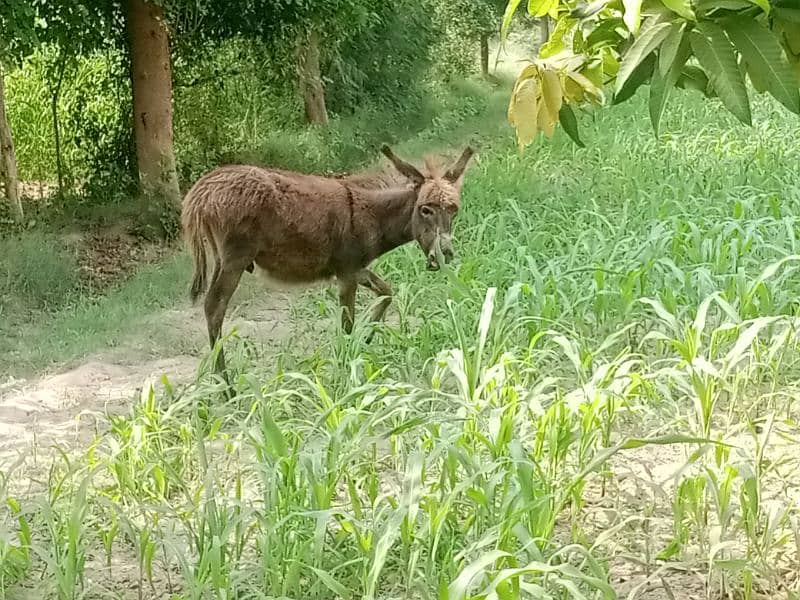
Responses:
[597,399]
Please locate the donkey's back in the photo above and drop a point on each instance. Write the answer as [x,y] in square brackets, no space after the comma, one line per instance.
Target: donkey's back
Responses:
[289,224]
[243,194]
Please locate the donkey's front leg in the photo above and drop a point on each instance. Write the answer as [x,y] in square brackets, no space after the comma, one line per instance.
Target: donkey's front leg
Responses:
[381,289]
[347,302]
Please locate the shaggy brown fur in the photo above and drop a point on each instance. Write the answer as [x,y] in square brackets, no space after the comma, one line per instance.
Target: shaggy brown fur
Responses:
[301,228]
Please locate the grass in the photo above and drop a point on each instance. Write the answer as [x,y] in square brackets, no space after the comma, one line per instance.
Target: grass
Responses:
[626,308]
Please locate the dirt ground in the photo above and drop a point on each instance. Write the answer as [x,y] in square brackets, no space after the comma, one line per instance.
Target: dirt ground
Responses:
[63,408]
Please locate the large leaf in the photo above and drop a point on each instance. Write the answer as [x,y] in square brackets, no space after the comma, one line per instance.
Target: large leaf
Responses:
[648,41]
[588,86]
[540,8]
[763,54]
[523,111]
[511,8]
[716,55]
[556,43]
[680,7]
[694,78]
[791,15]
[757,78]
[669,48]
[711,7]
[566,117]
[633,14]
[763,5]
[607,32]
[640,76]
[545,121]
[661,84]
[552,92]
[458,588]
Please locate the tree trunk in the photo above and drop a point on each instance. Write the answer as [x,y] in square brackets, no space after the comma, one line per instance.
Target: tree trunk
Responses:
[55,95]
[8,157]
[151,78]
[485,54]
[311,81]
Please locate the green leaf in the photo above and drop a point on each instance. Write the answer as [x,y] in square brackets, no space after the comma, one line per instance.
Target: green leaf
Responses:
[584,11]
[669,49]
[668,440]
[661,85]
[763,55]
[792,15]
[555,43]
[606,33]
[763,5]
[458,589]
[330,583]
[566,117]
[648,40]
[671,550]
[633,14]
[716,55]
[680,7]
[694,78]
[639,76]
[511,8]
[757,78]
[710,7]
[540,8]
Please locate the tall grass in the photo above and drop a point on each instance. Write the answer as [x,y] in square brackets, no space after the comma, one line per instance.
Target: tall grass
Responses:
[610,309]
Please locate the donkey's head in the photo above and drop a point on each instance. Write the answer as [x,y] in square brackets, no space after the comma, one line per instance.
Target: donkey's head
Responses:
[437,202]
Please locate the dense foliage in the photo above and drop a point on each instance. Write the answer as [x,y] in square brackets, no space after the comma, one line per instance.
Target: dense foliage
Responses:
[235,74]
[710,45]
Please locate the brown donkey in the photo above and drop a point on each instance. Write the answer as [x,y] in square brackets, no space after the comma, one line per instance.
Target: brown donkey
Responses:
[299,229]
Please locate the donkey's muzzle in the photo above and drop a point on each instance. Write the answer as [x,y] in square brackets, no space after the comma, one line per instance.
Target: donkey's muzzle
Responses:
[445,247]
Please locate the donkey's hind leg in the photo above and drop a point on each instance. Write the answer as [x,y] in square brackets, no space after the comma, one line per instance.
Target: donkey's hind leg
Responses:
[224,283]
[347,302]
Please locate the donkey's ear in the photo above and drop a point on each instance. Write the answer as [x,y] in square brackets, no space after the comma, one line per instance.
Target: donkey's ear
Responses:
[406,169]
[456,172]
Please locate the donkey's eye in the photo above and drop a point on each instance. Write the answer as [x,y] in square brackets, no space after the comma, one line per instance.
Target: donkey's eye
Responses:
[426,211]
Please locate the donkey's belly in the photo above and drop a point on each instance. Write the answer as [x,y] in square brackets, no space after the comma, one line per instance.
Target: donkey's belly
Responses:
[280,281]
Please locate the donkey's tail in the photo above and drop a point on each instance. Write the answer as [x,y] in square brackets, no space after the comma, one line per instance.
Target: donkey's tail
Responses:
[193,232]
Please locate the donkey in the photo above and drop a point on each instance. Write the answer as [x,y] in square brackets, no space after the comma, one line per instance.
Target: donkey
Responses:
[299,229]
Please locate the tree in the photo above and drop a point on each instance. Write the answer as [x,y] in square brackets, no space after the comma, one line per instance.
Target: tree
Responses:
[476,21]
[300,34]
[151,81]
[711,46]
[79,28]
[313,89]
[8,158]
[72,29]
[17,20]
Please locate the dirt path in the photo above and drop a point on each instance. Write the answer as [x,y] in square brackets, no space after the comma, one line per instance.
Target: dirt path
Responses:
[66,408]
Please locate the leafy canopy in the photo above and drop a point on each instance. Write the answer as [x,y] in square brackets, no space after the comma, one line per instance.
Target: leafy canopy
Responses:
[712,46]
